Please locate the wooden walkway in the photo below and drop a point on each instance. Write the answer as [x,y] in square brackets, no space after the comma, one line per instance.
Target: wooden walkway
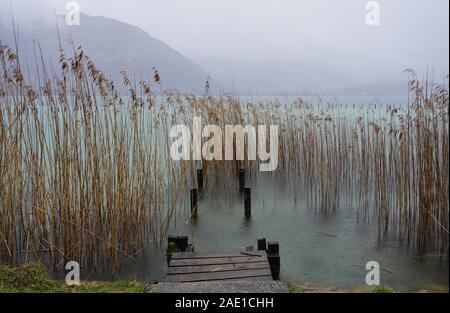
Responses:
[198,267]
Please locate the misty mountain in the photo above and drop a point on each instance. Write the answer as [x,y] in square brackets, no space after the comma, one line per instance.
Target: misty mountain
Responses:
[114,46]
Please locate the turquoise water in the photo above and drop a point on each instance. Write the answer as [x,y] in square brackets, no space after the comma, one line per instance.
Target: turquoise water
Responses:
[325,249]
[342,100]
[330,249]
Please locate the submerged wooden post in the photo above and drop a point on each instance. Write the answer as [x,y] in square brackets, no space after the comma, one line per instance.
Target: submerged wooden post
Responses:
[176,244]
[262,244]
[180,242]
[241,179]
[200,179]
[194,203]
[247,202]
[273,255]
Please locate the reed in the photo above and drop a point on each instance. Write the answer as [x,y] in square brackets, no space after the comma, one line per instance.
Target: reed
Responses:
[86,173]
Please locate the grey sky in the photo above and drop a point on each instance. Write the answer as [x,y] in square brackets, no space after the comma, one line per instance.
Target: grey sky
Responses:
[306,41]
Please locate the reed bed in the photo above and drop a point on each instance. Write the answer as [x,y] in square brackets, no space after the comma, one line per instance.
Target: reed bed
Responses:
[86,173]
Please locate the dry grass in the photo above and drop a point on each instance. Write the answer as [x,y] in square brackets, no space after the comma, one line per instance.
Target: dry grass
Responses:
[85,173]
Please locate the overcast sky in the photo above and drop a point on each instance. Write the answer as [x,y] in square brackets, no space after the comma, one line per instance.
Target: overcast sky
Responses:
[254,41]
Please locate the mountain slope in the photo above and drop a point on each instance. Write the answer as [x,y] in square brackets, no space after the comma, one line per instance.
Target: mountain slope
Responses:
[113,46]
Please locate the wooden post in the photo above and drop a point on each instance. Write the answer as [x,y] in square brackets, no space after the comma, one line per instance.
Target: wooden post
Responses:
[241,179]
[200,179]
[194,203]
[247,202]
[262,244]
[176,244]
[180,242]
[273,255]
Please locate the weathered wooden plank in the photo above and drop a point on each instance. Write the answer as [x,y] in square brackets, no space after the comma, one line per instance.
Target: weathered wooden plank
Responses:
[216,268]
[257,278]
[195,255]
[192,277]
[214,261]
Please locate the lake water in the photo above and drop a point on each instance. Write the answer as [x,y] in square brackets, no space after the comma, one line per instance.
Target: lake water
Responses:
[342,100]
[330,249]
[327,249]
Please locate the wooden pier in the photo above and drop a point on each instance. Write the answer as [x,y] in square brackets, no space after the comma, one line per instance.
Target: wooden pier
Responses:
[203,270]
[197,267]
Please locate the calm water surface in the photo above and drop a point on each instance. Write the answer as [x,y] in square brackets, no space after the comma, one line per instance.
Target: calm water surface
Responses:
[329,249]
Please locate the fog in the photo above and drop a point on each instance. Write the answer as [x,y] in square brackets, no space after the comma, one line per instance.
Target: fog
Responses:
[285,45]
